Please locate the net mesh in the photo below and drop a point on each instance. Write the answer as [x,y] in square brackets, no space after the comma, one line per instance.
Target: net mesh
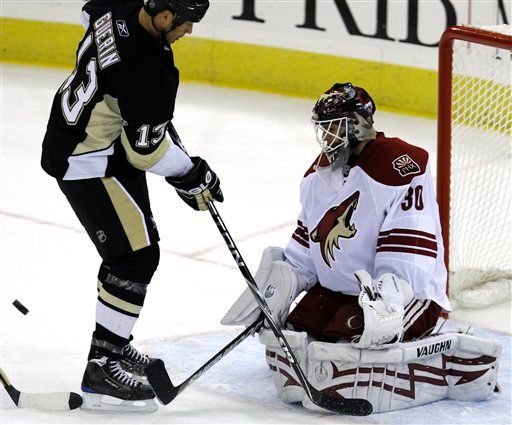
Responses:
[481,164]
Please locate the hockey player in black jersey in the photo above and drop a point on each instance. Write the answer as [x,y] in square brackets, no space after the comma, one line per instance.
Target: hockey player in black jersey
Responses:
[107,127]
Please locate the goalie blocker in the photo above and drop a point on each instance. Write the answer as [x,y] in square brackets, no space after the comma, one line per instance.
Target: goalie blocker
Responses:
[456,366]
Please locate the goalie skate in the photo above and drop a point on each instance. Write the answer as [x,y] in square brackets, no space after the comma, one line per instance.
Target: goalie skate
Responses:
[107,387]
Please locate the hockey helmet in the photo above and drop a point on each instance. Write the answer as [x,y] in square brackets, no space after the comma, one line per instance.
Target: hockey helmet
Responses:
[342,118]
[183,10]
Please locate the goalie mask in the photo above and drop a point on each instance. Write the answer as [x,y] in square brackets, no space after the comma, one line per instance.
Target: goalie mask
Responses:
[342,118]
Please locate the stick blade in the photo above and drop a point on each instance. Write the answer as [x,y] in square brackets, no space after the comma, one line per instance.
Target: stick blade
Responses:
[50,402]
[160,381]
[341,405]
[41,401]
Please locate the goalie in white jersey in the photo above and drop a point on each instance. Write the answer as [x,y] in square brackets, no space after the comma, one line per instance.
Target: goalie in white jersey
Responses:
[367,249]
[368,211]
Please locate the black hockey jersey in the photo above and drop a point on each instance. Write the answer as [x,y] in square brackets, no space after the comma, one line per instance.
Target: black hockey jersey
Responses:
[110,115]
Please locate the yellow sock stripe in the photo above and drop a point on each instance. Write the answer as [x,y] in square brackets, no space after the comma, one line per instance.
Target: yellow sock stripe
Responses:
[269,69]
[119,303]
[129,213]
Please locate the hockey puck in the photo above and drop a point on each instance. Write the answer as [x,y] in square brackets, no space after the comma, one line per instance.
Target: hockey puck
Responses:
[20,307]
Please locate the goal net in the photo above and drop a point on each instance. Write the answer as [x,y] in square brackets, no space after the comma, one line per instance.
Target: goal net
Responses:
[475,162]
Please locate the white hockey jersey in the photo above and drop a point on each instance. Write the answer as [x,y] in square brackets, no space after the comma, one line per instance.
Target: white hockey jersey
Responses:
[382,218]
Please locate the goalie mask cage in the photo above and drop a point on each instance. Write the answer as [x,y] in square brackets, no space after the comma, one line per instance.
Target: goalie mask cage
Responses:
[474,163]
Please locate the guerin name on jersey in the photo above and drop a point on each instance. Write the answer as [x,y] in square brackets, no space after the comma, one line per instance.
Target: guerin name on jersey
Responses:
[433,348]
[105,40]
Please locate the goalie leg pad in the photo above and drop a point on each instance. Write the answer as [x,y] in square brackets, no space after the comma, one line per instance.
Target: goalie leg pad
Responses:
[474,369]
[456,366]
[284,377]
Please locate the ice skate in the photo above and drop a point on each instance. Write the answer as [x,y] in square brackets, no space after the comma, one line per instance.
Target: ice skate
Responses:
[107,387]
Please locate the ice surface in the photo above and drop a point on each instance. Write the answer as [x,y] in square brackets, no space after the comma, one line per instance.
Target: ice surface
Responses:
[260,145]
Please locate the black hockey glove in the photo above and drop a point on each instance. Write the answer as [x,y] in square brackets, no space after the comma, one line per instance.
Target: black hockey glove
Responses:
[198,186]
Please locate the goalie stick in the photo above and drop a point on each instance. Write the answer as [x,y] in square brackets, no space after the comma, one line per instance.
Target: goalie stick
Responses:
[339,404]
[161,382]
[41,401]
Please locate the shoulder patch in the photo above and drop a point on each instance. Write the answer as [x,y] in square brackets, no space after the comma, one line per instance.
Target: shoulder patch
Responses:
[405,165]
[392,162]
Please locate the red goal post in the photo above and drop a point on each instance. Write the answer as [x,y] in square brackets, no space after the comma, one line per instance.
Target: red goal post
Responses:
[474,161]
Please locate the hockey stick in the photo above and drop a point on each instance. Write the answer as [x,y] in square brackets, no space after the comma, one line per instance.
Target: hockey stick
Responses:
[41,401]
[345,406]
[161,382]
[356,407]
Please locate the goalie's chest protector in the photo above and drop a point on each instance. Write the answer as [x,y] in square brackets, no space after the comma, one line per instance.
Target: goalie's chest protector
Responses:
[347,217]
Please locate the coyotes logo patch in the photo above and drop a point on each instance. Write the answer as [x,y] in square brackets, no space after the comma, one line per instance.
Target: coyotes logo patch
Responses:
[335,224]
[405,165]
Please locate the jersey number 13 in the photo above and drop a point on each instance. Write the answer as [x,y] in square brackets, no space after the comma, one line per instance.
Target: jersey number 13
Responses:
[82,95]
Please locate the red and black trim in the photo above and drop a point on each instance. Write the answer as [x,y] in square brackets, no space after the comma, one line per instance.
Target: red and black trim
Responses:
[290,380]
[417,373]
[301,234]
[408,241]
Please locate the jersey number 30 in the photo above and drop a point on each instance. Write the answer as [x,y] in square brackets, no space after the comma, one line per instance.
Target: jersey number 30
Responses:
[414,198]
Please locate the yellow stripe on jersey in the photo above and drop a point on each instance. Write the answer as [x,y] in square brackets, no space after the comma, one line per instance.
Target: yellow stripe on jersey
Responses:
[143,162]
[129,213]
[103,127]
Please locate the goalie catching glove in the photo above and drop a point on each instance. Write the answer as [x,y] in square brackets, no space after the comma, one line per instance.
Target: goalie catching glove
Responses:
[199,186]
[383,302]
[278,284]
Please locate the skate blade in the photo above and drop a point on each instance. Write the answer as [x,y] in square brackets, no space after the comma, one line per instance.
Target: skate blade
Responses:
[108,404]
